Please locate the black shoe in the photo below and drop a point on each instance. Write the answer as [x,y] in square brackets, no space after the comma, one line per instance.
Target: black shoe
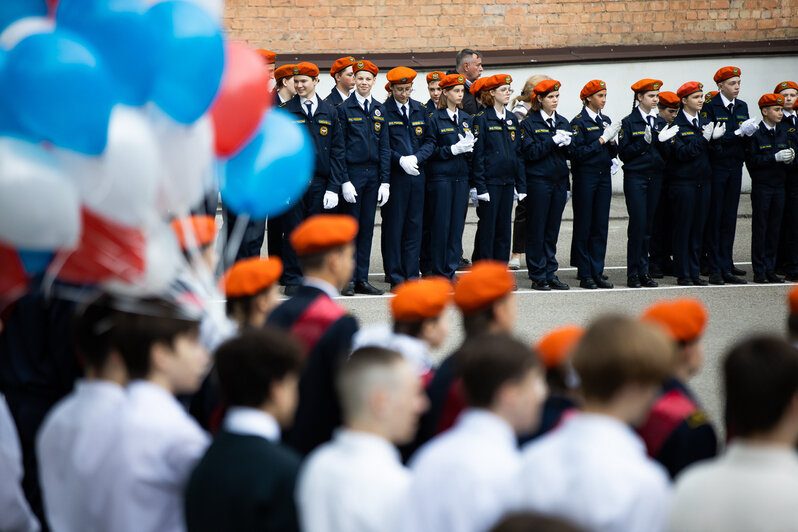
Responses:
[366,288]
[349,290]
[655,271]
[291,289]
[602,282]
[387,278]
[556,284]
[633,282]
[699,281]
[683,281]
[737,271]
[648,282]
[541,285]
[773,278]
[716,278]
[394,287]
[604,276]
[760,278]
[792,277]
[464,263]
[733,279]
[588,283]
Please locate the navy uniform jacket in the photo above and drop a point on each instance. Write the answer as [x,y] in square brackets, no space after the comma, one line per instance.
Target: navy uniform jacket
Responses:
[761,156]
[690,151]
[443,132]
[677,432]
[588,154]
[328,140]
[431,106]
[637,154]
[548,161]
[408,139]
[498,159]
[326,330]
[730,149]
[243,483]
[335,99]
[365,136]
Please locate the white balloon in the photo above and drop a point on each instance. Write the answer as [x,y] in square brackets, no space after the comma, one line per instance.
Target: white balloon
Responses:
[24,27]
[120,184]
[39,204]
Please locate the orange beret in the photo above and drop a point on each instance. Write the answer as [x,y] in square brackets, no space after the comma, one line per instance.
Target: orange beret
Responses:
[487,281]
[785,85]
[268,56]
[689,88]
[793,298]
[323,232]
[645,85]
[711,94]
[591,88]
[547,85]
[435,76]
[497,80]
[285,71]
[421,299]
[388,87]
[451,80]
[249,276]
[725,73]
[478,86]
[306,69]
[684,319]
[555,347]
[771,99]
[341,64]
[669,99]
[202,231]
[400,75]
[368,66]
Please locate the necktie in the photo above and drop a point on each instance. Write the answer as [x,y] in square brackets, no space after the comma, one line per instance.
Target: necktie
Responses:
[731,108]
[551,123]
[404,113]
[309,105]
[695,123]
[454,117]
[650,120]
[366,106]
[599,121]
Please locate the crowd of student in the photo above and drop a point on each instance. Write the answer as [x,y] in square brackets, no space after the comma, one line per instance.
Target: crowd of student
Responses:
[300,420]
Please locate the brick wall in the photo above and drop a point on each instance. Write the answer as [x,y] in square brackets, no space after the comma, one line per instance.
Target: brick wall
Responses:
[363,27]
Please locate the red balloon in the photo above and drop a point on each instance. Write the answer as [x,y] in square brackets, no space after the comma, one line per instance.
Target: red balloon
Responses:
[13,279]
[107,250]
[243,97]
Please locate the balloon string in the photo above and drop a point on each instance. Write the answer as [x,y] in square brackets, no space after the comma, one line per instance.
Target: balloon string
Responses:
[236,238]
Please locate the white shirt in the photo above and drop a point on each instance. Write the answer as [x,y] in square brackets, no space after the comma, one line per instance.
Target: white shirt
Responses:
[460,477]
[251,422]
[751,487]
[546,117]
[354,483]
[322,285]
[501,115]
[159,447]
[74,446]
[646,115]
[406,105]
[452,115]
[412,349]
[15,513]
[361,99]
[594,471]
[344,95]
[314,104]
[726,101]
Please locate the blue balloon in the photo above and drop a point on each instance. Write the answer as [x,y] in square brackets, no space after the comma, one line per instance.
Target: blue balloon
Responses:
[35,262]
[272,172]
[122,34]
[58,90]
[13,10]
[191,59]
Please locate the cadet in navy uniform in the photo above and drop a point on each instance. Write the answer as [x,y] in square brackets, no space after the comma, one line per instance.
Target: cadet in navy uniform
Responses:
[767,158]
[344,76]
[592,149]
[407,123]
[638,148]
[691,175]
[447,176]
[498,169]
[546,136]
[787,258]
[434,89]
[321,120]
[727,174]
[368,166]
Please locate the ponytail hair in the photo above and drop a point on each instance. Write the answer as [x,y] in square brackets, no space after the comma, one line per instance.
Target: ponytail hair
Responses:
[527,93]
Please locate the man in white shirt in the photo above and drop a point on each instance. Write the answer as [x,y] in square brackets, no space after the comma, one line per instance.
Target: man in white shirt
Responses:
[593,470]
[356,482]
[81,432]
[15,512]
[754,486]
[159,444]
[460,477]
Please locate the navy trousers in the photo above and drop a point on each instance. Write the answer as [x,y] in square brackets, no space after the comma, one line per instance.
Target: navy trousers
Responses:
[310,204]
[767,204]
[402,218]
[495,224]
[722,219]
[591,196]
[545,203]
[641,192]
[447,203]
[366,181]
[689,203]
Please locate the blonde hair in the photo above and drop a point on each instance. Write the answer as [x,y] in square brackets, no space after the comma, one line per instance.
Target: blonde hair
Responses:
[526,93]
[443,102]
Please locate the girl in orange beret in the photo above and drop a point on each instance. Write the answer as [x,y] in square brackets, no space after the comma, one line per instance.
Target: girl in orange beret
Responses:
[787,258]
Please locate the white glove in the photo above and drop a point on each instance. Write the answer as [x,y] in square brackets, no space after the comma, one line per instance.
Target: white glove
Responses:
[464,145]
[560,138]
[330,200]
[611,131]
[483,197]
[708,129]
[647,135]
[785,156]
[383,194]
[409,164]
[614,167]
[567,137]
[668,133]
[748,127]
[719,131]
[472,193]
[348,192]
[470,137]
[521,196]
